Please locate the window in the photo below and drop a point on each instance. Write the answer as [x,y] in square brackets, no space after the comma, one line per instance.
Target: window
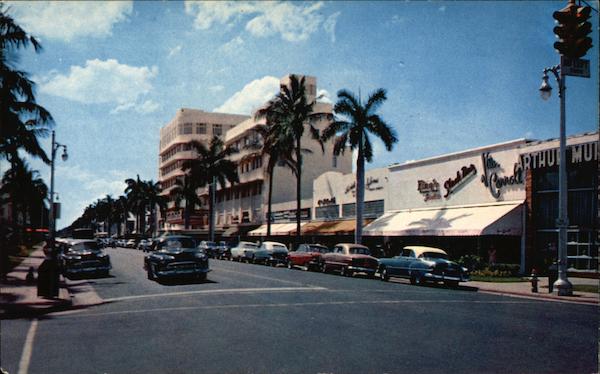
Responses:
[201,128]
[187,128]
[217,130]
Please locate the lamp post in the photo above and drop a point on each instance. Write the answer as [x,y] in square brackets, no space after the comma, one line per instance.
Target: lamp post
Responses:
[562,284]
[64,156]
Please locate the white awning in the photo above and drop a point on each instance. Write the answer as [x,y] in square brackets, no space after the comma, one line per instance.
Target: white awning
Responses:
[276,229]
[473,220]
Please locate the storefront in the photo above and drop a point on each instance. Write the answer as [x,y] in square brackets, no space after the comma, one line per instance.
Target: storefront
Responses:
[470,202]
[540,161]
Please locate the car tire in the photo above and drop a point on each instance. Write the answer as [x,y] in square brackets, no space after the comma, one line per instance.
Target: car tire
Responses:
[343,271]
[150,272]
[451,284]
[290,265]
[201,277]
[307,266]
[416,280]
[383,274]
[324,268]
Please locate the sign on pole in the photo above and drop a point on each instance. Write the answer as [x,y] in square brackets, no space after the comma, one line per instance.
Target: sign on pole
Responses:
[575,67]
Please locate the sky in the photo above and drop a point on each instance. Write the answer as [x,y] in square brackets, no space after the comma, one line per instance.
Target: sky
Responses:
[458,75]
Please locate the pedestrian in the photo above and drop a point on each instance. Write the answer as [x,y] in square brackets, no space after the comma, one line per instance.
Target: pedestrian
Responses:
[492,255]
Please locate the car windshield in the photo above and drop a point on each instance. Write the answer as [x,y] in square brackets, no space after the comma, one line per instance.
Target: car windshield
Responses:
[249,245]
[359,251]
[277,246]
[433,255]
[177,243]
[210,244]
[318,248]
[85,246]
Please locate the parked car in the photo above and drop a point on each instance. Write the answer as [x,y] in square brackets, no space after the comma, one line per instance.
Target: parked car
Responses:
[144,245]
[307,255]
[83,256]
[243,251]
[271,253]
[211,248]
[423,264]
[350,259]
[130,243]
[176,256]
[223,251]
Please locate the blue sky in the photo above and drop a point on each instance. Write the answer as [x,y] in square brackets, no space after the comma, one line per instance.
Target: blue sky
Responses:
[458,74]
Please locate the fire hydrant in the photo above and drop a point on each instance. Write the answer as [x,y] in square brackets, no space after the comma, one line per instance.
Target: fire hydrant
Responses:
[534,281]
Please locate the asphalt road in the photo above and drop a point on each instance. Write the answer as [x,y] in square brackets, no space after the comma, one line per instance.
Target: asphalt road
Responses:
[257,319]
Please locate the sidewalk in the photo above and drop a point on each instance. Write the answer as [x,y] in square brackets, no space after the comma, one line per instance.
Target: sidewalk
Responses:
[523,289]
[18,298]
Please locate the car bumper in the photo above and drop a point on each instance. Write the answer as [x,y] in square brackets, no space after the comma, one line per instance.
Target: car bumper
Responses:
[181,272]
[360,269]
[87,269]
[441,278]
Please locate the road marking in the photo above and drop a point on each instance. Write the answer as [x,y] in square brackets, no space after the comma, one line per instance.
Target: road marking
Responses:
[27,348]
[284,305]
[221,291]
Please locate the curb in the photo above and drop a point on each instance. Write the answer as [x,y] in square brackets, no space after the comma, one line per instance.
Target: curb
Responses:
[563,299]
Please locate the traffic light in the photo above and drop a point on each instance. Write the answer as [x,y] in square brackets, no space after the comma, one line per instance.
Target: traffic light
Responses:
[572,30]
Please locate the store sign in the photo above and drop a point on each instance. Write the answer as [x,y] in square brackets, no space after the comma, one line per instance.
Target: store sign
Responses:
[550,157]
[494,182]
[174,215]
[371,184]
[465,174]
[429,190]
[290,215]
[324,202]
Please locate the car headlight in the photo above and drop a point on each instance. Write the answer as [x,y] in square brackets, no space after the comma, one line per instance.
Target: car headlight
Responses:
[166,258]
[201,255]
[101,255]
[73,258]
[464,270]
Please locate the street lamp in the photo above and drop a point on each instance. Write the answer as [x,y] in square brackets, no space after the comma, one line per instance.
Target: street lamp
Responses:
[562,284]
[64,156]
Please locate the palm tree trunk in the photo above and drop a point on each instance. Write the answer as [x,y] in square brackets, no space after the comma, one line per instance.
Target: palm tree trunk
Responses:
[270,199]
[360,193]
[211,213]
[186,216]
[298,189]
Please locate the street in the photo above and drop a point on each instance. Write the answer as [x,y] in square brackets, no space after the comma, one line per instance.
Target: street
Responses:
[257,319]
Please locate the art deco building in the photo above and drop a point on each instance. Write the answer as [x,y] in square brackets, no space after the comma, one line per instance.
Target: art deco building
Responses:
[243,206]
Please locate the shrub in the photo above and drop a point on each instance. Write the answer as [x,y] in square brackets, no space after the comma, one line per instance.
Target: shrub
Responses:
[472,262]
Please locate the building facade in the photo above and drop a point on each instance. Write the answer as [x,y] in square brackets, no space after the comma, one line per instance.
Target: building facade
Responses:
[242,207]
[500,199]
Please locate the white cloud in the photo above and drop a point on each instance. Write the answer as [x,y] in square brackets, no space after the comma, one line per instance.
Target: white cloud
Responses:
[173,51]
[293,21]
[252,96]
[95,185]
[324,96]
[329,25]
[67,20]
[233,45]
[104,82]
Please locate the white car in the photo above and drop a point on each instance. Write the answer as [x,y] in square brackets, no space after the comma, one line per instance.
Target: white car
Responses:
[244,251]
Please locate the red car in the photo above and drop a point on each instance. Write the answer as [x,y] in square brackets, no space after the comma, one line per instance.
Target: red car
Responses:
[349,259]
[307,255]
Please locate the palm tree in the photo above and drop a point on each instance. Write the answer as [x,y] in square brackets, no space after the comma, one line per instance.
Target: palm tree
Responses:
[292,112]
[351,127]
[25,189]
[153,199]
[136,199]
[278,148]
[119,212]
[185,190]
[23,121]
[212,165]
